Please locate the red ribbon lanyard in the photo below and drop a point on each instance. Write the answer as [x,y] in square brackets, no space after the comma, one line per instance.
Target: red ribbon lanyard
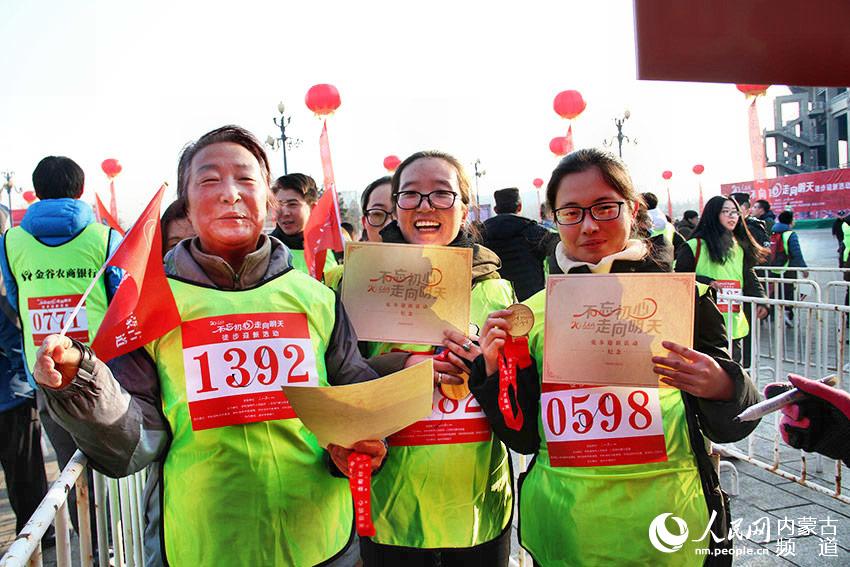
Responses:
[360,483]
[514,353]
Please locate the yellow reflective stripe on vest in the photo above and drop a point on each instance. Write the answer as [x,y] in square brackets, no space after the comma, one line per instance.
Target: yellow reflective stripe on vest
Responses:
[732,269]
[52,279]
[446,495]
[254,493]
[600,515]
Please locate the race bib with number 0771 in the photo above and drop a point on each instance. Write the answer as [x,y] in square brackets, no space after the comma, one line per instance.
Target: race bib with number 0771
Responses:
[235,366]
[48,316]
[588,426]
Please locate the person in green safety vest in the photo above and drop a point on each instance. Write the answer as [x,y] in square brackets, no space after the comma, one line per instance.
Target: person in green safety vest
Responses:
[296,196]
[841,231]
[234,477]
[722,253]
[786,251]
[444,496]
[580,509]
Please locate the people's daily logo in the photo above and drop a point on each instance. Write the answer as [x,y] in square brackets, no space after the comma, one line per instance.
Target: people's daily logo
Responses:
[662,538]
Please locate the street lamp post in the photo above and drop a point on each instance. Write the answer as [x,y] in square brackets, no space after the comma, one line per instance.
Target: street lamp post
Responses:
[9,186]
[479,173]
[618,122]
[283,141]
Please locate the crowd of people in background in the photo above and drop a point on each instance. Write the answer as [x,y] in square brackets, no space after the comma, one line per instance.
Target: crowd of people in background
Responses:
[266,493]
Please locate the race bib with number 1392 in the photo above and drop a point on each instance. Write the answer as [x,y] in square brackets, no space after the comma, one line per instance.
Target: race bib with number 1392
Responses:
[235,366]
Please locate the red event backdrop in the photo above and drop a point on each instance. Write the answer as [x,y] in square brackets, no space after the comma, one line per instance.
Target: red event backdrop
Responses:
[816,195]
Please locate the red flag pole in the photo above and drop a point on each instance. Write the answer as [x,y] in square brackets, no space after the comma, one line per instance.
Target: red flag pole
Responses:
[113,204]
[669,202]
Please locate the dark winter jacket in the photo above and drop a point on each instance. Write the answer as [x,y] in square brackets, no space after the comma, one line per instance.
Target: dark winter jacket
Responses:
[522,245]
[794,252]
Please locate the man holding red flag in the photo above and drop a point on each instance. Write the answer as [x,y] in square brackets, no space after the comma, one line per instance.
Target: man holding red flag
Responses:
[238,479]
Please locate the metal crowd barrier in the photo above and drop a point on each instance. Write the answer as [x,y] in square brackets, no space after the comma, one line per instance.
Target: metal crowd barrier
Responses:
[818,348]
[118,517]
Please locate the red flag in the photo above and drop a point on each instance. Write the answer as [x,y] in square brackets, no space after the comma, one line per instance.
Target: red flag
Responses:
[323,230]
[105,217]
[130,323]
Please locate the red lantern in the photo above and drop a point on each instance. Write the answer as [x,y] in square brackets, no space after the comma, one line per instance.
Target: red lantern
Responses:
[698,169]
[391,163]
[322,99]
[753,90]
[538,183]
[569,104]
[29,196]
[667,175]
[111,167]
[558,146]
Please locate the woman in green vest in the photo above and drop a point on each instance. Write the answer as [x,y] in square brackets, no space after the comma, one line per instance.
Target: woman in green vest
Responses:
[722,252]
[444,496]
[236,478]
[580,509]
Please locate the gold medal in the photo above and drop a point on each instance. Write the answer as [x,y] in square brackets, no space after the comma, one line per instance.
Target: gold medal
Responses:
[456,391]
[521,319]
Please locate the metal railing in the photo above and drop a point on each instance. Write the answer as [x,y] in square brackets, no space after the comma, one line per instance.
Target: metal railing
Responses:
[118,509]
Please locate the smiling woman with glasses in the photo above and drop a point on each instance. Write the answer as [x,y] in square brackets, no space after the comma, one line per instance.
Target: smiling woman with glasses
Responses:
[447,501]
[722,253]
[562,506]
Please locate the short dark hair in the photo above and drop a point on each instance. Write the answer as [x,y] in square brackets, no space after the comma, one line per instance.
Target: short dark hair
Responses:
[786,217]
[174,211]
[462,177]
[367,192]
[226,134]
[741,198]
[58,177]
[347,227]
[763,204]
[300,183]
[690,214]
[650,199]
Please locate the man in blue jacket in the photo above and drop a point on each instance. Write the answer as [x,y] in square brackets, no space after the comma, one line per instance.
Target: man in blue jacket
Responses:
[50,225]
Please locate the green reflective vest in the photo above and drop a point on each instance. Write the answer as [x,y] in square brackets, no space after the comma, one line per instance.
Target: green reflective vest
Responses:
[845,231]
[731,273]
[601,515]
[52,279]
[667,231]
[300,264]
[244,482]
[446,482]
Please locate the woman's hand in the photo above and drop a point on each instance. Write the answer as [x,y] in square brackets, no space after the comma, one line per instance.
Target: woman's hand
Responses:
[444,371]
[693,372]
[761,311]
[493,336]
[460,347]
[56,362]
[373,447]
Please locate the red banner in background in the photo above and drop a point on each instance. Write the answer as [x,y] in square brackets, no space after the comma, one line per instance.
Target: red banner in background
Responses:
[816,195]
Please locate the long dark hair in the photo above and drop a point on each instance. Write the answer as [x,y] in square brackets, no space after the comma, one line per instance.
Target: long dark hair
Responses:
[718,240]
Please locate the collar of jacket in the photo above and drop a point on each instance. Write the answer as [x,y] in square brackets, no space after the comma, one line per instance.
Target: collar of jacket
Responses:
[188,262]
[294,242]
[485,262]
[57,217]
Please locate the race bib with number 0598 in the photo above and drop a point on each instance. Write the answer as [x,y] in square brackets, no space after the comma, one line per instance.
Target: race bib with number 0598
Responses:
[235,366]
[602,426]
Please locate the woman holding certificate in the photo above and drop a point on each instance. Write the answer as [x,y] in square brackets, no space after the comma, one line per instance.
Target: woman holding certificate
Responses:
[579,504]
[444,496]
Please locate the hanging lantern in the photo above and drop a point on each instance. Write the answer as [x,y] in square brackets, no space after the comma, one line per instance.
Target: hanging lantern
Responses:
[538,183]
[753,90]
[322,99]
[111,167]
[667,175]
[29,196]
[558,146]
[391,163]
[569,104]
[698,169]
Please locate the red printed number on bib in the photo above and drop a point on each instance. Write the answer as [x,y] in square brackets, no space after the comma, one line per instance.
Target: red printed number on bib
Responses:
[48,316]
[732,287]
[235,366]
[591,427]
[451,421]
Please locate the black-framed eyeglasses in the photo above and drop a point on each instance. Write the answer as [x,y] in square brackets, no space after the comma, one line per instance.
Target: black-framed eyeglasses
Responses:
[606,211]
[409,200]
[377,217]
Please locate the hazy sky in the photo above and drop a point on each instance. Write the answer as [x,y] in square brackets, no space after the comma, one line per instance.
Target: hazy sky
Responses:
[136,81]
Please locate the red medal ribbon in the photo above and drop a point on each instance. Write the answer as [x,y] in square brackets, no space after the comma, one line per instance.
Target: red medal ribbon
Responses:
[360,483]
[514,353]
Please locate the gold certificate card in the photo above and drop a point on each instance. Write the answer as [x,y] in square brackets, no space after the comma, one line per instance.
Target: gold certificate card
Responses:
[605,328]
[406,293]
